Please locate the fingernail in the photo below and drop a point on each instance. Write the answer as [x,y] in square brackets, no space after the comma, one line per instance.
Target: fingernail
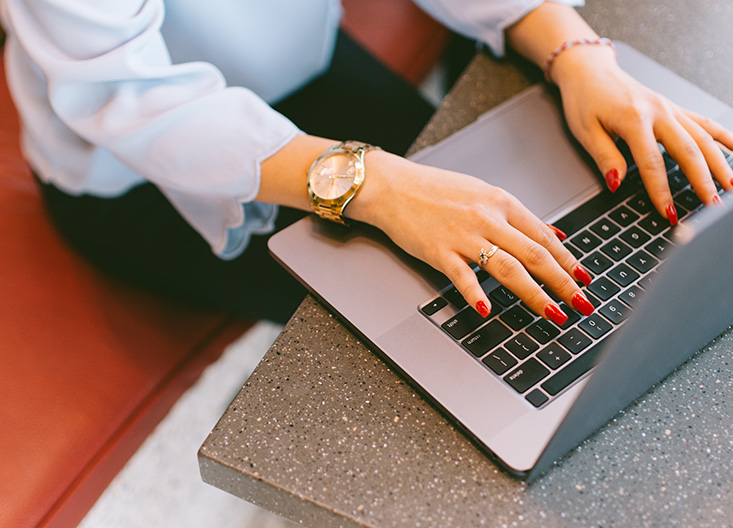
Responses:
[582,304]
[612,180]
[482,309]
[671,214]
[582,275]
[717,201]
[558,233]
[553,312]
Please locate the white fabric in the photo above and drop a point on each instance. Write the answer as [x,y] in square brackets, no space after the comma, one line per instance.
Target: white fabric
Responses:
[113,93]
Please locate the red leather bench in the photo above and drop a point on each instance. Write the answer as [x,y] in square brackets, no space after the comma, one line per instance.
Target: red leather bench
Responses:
[88,366]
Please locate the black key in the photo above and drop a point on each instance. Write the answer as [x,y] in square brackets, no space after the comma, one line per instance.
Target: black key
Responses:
[677,181]
[593,209]
[526,375]
[640,203]
[482,275]
[586,241]
[574,251]
[659,248]
[499,361]
[647,281]
[623,275]
[543,331]
[572,372]
[654,223]
[669,162]
[623,216]
[434,306]
[464,322]
[635,237]
[676,234]
[603,288]
[575,341]
[688,199]
[604,228]
[517,317]
[595,301]
[521,346]
[616,249]
[597,262]
[615,311]
[573,316]
[487,338]
[595,326]
[554,356]
[503,296]
[631,296]
[642,261]
[537,398]
[455,298]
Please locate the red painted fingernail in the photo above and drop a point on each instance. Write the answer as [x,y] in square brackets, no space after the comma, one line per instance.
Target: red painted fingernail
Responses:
[482,309]
[582,275]
[717,201]
[558,233]
[553,312]
[612,180]
[671,214]
[582,304]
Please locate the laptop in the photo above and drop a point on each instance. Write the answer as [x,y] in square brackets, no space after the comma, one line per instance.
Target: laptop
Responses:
[523,389]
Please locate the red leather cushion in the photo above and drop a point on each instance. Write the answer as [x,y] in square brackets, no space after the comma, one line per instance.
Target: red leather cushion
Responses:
[87,366]
[398,33]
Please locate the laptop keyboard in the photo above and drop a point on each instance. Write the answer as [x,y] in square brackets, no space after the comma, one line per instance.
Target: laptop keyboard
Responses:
[621,239]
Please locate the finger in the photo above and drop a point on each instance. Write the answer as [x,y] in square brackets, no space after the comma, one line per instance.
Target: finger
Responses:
[717,131]
[461,274]
[684,148]
[511,273]
[608,158]
[714,157]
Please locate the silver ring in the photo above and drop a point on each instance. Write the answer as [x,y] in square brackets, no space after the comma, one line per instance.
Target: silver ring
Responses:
[484,256]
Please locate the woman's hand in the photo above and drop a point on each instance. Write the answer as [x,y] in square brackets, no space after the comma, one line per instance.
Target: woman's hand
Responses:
[445,219]
[602,102]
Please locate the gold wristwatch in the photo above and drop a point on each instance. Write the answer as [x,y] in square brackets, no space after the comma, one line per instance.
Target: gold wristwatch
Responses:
[335,178]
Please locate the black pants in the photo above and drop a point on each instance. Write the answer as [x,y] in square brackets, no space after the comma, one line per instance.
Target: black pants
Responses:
[140,238]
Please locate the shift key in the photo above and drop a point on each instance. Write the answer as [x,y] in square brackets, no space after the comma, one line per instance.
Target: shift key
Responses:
[526,375]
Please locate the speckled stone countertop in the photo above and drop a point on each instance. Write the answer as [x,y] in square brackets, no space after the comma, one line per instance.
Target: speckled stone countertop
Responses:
[325,434]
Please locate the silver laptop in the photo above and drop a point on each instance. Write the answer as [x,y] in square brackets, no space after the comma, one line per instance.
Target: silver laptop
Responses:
[524,389]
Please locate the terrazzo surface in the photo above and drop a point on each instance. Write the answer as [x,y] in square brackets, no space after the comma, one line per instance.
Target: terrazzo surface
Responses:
[326,434]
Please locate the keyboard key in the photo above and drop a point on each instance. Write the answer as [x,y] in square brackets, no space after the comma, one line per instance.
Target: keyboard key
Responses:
[464,322]
[503,296]
[654,223]
[604,228]
[640,203]
[487,338]
[521,346]
[677,180]
[659,248]
[573,316]
[594,208]
[597,262]
[434,306]
[616,249]
[586,241]
[669,162]
[624,216]
[574,251]
[526,375]
[517,317]
[595,326]
[688,199]
[623,275]
[635,236]
[642,261]
[572,372]
[615,311]
[543,331]
[631,296]
[455,298]
[537,398]
[647,281]
[575,341]
[595,301]
[603,288]
[554,356]
[499,361]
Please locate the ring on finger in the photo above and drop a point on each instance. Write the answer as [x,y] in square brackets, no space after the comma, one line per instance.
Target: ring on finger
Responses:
[484,255]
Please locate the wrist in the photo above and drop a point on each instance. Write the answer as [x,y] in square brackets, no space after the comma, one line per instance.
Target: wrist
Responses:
[579,58]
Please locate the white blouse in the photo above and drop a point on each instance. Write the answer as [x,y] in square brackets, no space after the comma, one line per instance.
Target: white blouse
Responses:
[113,93]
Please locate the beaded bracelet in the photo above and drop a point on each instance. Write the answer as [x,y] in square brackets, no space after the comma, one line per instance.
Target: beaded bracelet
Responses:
[603,41]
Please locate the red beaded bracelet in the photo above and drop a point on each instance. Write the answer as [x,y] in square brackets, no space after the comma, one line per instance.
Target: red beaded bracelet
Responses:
[603,41]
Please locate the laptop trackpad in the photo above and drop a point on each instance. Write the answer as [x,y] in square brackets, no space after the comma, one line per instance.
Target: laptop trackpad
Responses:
[539,164]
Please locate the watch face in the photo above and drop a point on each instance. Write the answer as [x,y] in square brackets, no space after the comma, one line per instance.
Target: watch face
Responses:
[333,176]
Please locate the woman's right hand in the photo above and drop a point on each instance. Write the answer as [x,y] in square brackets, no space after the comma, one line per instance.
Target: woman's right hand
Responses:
[446,218]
